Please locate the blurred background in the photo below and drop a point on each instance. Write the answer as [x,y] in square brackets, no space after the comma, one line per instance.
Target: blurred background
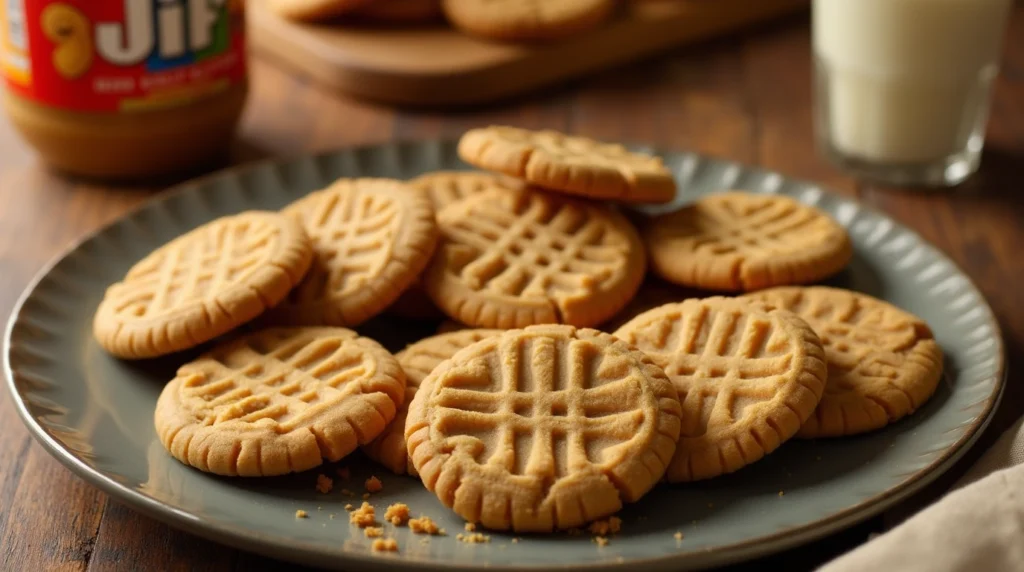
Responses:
[877,101]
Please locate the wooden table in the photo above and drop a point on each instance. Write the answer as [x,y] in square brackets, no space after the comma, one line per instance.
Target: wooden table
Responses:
[746,98]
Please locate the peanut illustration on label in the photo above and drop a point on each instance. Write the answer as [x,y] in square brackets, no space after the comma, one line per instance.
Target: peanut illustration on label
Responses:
[70,31]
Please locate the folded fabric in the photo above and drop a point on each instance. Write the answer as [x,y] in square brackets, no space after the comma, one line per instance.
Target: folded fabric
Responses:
[977,527]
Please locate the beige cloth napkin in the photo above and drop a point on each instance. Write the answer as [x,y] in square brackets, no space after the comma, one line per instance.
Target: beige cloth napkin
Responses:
[977,527]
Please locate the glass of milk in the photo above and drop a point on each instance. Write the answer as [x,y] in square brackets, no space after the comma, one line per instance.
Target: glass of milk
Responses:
[903,86]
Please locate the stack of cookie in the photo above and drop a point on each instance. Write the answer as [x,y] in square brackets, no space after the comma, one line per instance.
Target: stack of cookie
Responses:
[518,416]
[503,20]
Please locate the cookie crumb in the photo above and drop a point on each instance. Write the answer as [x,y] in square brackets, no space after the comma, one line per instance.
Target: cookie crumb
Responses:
[678,535]
[397,514]
[331,516]
[424,525]
[473,538]
[470,527]
[373,531]
[515,541]
[373,485]
[324,484]
[301,514]
[385,545]
[366,496]
[600,540]
[349,507]
[782,493]
[612,525]
[344,473]
[363,516]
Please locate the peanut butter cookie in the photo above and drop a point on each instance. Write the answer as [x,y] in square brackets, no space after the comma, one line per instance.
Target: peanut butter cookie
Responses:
[883,363]
[443,188]
[372,238]
[509,259]
[202,285]
[573,165]
[543,428]
[526,20]
[278,401]
[736,241]
[748,376]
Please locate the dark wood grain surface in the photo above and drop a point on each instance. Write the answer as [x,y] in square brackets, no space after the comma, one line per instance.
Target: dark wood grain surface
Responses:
[745,97]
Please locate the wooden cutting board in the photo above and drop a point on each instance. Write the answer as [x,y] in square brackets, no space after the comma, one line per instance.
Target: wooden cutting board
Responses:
[439,66]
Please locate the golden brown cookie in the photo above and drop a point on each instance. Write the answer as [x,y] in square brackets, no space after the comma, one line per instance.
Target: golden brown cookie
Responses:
[314,10]
[417,360]
[372,238]
[883,363]
[202,284]
[737,241]
[509,259]
[400,11]
[748,376]
[447,187]
[543,428]
[572,165]
[526,20]
[443,188]
[279,401]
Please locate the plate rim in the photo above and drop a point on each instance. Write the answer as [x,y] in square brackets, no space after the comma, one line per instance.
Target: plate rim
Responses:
[247,539]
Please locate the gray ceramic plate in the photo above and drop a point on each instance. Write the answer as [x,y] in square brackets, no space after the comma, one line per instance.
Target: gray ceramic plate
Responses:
[94,413]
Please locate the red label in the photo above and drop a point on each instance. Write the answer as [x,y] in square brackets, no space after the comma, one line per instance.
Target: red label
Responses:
[121,55]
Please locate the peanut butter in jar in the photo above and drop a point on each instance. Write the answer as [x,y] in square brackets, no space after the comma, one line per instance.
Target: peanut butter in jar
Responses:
[124,89]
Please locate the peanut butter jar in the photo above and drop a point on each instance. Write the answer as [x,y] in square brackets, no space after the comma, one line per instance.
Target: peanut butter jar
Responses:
[124,89]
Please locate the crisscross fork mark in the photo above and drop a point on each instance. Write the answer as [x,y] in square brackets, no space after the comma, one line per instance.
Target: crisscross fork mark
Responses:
[204,264]
[533,253]
[873,354]
[568,147]
[577,414]
[755,231]
[715,369]
[355,229]
[279,384]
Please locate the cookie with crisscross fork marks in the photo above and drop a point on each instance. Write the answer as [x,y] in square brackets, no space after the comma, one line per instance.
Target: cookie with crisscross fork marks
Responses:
[566,164]
[526,19]
[883,363]
[417,360]
[202,285]
[510,259]
[371,237]
[447,187]
[443,188]
[278,401]
[736,241]
[748,376]
[543,428]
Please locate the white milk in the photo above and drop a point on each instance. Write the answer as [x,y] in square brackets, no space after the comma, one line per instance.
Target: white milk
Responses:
[906,81]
